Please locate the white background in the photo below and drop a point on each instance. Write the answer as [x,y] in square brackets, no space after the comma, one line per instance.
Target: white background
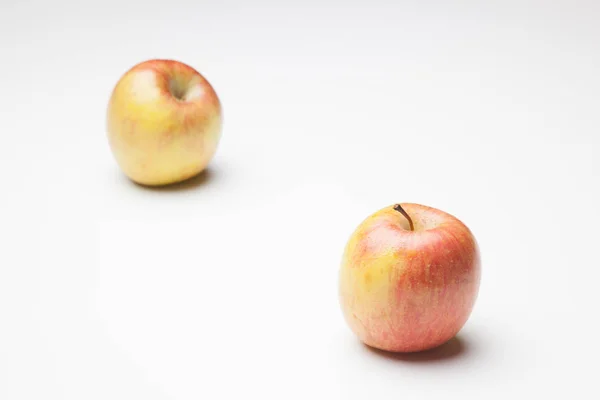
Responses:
[226,286]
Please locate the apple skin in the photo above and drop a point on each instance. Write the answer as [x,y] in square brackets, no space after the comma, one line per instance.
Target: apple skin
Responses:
[164,122]
[409,291]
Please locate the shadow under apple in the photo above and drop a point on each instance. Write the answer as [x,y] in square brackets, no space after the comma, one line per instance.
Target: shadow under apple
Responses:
[202,179]
[455,348]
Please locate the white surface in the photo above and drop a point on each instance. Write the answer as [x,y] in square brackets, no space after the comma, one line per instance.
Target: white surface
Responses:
[227,287]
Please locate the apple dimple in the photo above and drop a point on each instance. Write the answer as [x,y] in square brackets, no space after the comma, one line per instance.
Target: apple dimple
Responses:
[186,90]
[423,219]
[177,88]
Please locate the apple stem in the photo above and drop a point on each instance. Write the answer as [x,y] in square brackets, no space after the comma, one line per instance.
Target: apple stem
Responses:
[399,208]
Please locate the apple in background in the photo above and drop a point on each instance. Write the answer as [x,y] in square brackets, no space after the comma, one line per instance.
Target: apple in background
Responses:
[164,122]
[409,278]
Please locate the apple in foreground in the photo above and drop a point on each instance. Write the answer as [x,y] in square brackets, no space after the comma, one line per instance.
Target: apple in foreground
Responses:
[164,122]
[409,278]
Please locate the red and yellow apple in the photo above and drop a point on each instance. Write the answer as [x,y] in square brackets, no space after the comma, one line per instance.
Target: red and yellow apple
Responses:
[164,122]
[409,278]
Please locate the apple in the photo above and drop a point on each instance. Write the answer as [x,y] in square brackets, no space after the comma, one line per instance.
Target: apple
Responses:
[409,278]
[164,122]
